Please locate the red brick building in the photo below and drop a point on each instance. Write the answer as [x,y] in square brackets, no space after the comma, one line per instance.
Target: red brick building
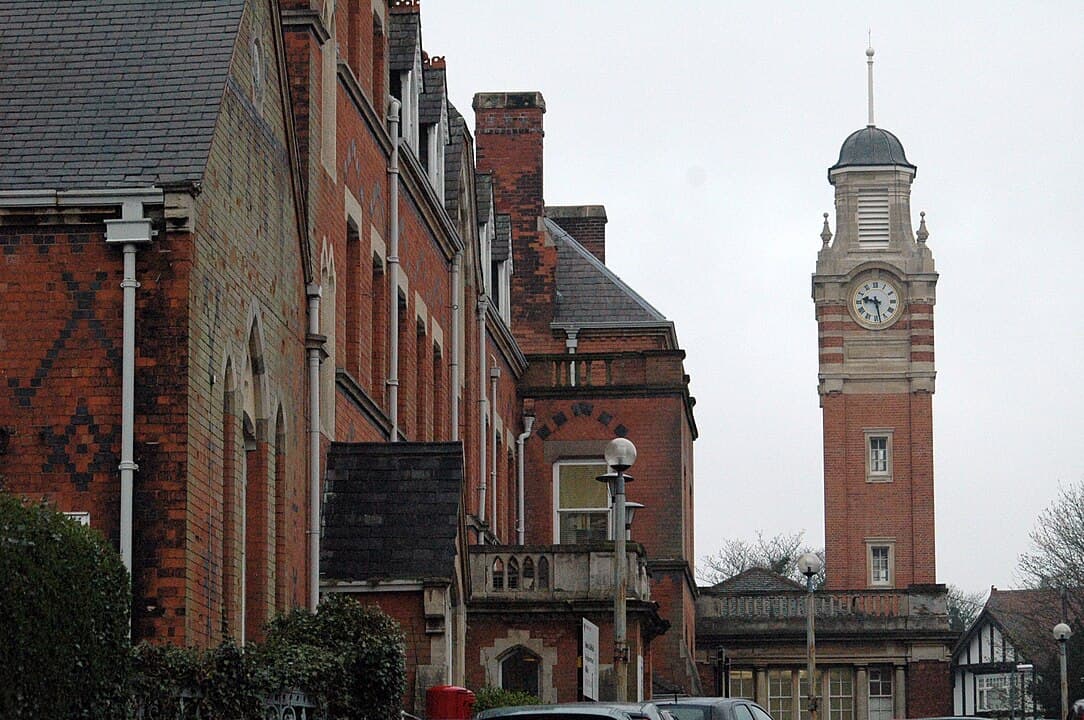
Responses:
[252,268]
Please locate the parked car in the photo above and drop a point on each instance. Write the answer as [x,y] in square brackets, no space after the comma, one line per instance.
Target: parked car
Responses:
[568,711]
[636,710]
[713,708]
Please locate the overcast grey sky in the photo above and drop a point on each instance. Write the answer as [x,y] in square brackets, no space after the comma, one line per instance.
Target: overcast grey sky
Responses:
[706,129]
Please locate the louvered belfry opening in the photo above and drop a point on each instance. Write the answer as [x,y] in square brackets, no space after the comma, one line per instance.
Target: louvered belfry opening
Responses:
[873,228]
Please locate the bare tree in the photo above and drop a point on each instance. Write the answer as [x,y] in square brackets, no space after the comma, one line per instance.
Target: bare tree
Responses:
[1055,562]
[778,553]
[1057,555]
[963,607]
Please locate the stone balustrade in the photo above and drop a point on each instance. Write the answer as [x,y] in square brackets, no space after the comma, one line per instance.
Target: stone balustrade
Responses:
[540,573]
[916,607]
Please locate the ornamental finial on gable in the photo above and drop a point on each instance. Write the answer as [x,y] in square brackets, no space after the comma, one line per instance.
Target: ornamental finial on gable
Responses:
[922,233]
[826,232]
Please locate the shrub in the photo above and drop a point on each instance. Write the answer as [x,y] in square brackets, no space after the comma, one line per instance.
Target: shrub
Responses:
[64,616]
[350,656]
[494,697]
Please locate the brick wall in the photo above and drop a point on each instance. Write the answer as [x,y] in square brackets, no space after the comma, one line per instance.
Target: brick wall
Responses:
[579,428]
[61,341]
[856,509]
[246,354]
[929,689]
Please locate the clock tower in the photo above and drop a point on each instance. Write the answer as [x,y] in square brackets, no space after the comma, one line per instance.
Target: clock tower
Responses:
[874,292]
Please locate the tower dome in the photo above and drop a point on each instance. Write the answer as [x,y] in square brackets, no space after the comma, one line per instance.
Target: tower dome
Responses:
[871,146]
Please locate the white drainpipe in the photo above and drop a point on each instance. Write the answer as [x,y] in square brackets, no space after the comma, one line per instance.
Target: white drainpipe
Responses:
[393,271]
[457,263]
[483,302]
[314,345]
[131,230]
[494,376]
[528,423]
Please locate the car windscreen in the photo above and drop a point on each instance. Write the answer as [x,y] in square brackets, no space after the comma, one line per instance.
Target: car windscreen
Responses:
[689,712]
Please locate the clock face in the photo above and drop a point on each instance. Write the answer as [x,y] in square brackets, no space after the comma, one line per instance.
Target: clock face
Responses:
[876,302]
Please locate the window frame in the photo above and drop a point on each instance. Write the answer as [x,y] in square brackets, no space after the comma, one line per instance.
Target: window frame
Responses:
[557,510]
[982,694]
[874,474]
[881,677]
[841,694]
[889,545]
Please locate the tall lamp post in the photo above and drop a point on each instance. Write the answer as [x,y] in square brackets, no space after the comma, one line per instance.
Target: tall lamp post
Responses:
[1061,634]
[809,565]
[620,455]
[1022,670]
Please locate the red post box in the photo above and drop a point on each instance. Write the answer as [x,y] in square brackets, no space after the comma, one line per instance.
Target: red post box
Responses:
[448,702]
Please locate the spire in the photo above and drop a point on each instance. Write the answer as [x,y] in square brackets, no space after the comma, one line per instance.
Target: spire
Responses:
[869,63]
[922,233]
[826,232]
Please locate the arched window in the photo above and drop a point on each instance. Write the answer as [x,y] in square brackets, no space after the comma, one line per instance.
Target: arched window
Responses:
[543,573]
[281,593]
[528,574]
[498,574]
[520,670]
[513,574]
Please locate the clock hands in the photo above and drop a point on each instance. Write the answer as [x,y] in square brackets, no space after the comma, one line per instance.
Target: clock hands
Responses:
[876,304]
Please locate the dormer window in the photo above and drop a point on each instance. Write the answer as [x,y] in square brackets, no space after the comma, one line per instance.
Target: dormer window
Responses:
[873,228]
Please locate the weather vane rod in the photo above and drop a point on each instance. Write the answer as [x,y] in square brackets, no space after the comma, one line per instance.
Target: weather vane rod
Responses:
[869,63]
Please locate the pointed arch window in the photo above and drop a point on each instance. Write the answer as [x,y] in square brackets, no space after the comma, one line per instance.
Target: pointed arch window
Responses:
[520,670]
[543,573]
[528,574]
[498,574]
[513,574]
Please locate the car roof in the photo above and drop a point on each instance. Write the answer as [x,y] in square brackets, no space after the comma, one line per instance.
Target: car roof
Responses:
[587,711]
[646,709]
[705,700]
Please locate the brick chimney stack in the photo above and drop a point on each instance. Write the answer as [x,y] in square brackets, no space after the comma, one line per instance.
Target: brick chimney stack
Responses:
[508,130]
[586,223]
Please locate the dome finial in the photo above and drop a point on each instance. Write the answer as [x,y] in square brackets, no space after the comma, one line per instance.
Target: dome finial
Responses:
[869,63]
[826,232]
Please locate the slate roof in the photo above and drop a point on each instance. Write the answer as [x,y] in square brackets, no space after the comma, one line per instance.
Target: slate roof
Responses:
[754,581]
[453,159]
[431,102]
[589,292]
[1025,616]
[121,93]
[404,37]
[391,511]
[483,189]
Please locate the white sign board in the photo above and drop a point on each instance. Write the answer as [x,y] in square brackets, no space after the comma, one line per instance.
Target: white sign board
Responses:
[83,518]
[590,660]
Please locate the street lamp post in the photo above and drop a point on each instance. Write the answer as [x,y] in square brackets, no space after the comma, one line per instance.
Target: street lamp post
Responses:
[620,456]
[1062,634]
[1022,670]
[809,565]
